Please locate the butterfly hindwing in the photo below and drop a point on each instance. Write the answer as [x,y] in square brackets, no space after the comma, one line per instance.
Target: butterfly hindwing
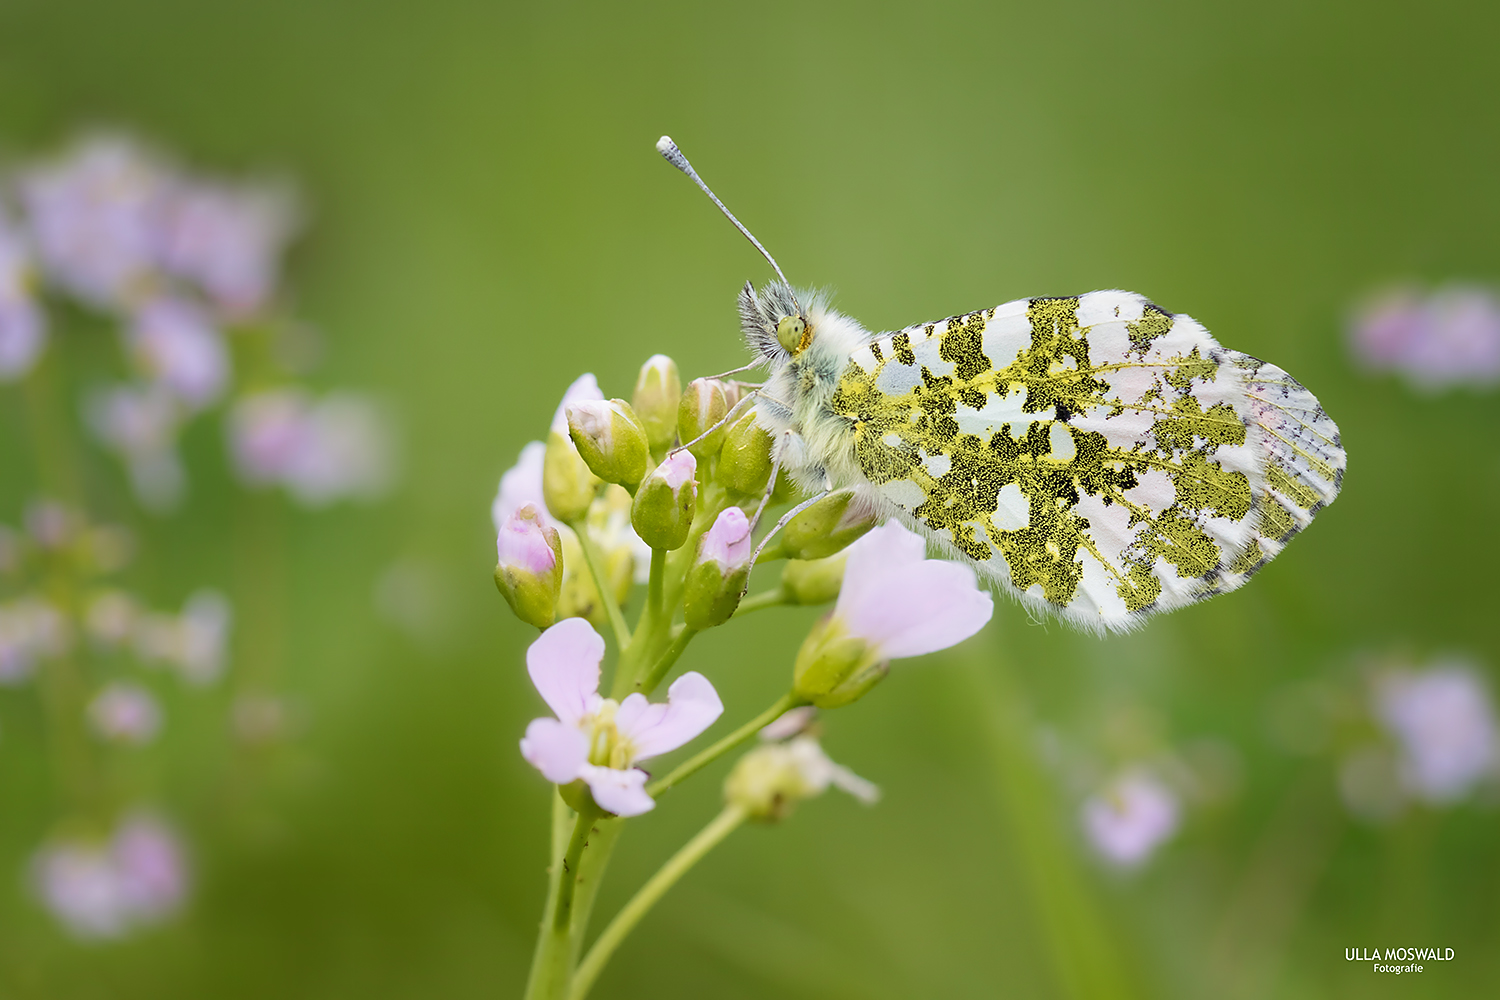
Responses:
[1096,454]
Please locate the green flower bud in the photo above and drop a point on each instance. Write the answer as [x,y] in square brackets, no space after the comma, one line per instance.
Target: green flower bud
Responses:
[568,487]
[773,777]
[827,527]
[815,581]
[529,567]
[716,580]
[745,459]
[703,405]
[658,391]
[834,668]
[767,782]
[664,504]
[611,440]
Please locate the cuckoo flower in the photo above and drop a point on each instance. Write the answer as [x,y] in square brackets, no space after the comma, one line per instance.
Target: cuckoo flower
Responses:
[894,602]
[773,777]
[1445,725]
[597,739]
[22,324]
[1130,818]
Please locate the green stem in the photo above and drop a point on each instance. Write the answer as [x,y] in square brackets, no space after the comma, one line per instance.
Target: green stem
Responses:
[563,914]
[590,876]
[606,596]
[659,669]
[654,588]
[554,951]
[765,599]
[702,759]
[541,983]
[640,904]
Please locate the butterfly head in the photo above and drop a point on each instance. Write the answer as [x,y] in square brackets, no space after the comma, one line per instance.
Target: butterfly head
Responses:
[774,323]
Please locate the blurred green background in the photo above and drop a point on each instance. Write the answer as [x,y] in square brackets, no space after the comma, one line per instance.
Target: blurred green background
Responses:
[489,219]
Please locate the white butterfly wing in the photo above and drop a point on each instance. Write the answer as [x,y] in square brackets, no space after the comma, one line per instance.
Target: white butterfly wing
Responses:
[1096,455]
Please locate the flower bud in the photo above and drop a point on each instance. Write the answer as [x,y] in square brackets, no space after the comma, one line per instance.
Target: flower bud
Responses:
[568,487]
[767,782]
[827,527]
[773,777]
[835,668]
[664,504]
[611,440]
[745,459]
[658,391]
[717,577]
[530,567]
[815,581]
[703,405]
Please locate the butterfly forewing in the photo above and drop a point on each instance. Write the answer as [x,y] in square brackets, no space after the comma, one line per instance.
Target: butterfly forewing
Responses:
[1096,454]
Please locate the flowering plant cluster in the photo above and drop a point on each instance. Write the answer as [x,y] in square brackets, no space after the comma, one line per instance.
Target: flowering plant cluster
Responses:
[668,490]
[113,238]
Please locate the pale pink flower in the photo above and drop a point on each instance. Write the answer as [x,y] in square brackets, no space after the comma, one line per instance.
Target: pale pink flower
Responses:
[727,543]
[141,424]
[23,325]
[1130,818]
[324,451]
[1447,337]
[1444,722]
[520,485]
[597,739]
[901,602]
[125,713]
[195,643]
[228,241]
[105,889]
[111,617]
[584,388]
[95,218]
[178,347]
[30,630]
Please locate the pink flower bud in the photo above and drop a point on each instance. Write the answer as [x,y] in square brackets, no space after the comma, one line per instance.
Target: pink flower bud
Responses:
[728,542]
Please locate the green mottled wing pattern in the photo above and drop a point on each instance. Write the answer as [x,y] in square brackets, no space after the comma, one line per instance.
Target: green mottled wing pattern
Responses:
[1098,455]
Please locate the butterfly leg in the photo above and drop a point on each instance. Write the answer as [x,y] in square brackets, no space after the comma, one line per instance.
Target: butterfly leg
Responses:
[734,411]
[785,518]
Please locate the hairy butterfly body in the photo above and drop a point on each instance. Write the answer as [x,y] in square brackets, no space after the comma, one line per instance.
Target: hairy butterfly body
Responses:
[1096,456]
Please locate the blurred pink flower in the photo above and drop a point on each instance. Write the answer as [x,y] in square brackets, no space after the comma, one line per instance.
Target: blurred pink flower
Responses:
[1447,337]
[1444,722]
[141,423]
[595,738]
[336,448]
[228,241]
[23,325]
[1132,816]
[103,890]
[178,347]
[95,217]
[30,630]
[125,713]
[904,604]
[195,643]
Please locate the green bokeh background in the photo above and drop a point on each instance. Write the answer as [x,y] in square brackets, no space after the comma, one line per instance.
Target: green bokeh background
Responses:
[489,218]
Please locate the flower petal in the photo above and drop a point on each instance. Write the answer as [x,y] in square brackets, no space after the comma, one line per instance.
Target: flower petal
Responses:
[621,792]
[937,604]
[564,665]
[584,387]
[692,706]
[521,484]
[556,749]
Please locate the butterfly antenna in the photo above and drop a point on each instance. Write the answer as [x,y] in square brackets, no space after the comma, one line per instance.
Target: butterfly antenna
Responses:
[667,148]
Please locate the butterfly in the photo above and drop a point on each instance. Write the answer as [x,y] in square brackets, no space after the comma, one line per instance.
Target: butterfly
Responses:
[1096,456]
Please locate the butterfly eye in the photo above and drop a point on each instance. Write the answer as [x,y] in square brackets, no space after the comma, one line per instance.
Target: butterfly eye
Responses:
[789,333]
